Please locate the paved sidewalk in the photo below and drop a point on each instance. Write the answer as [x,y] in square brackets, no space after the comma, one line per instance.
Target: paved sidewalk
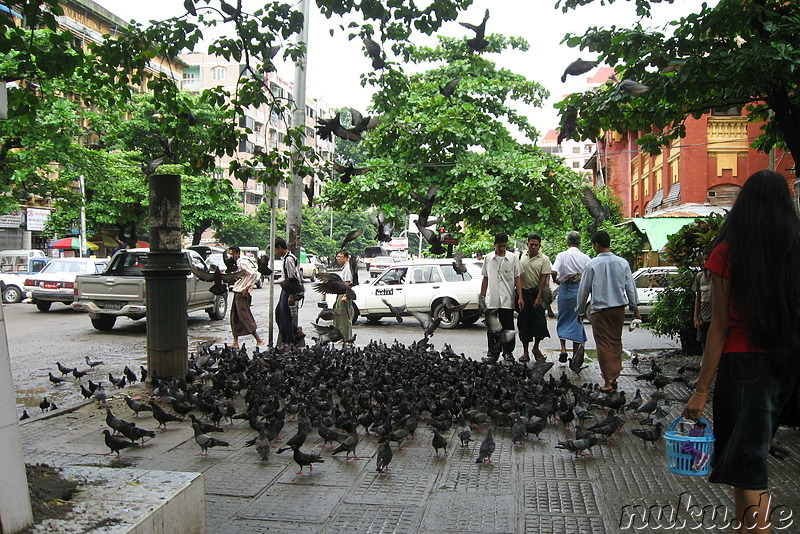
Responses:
[531,488]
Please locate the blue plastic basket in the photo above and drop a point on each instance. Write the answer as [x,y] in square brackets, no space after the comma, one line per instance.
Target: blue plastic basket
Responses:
[680,462]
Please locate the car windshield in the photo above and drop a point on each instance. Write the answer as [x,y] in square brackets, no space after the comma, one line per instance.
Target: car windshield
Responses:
[60,266]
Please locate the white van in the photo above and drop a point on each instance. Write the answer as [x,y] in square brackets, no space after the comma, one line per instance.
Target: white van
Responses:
[15,265]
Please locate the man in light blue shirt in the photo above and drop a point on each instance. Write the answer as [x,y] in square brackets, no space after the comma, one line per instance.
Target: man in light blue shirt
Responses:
[608,278]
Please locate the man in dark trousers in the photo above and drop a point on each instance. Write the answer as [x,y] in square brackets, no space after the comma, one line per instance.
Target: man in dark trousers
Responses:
[608,278]
[535,275]
[501,272]
[291,287]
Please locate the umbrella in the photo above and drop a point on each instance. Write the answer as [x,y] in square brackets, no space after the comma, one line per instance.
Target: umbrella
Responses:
[105,240]
[70,243]
[142,244]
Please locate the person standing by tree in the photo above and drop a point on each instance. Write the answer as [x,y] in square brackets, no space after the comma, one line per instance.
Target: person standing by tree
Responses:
[702,301]
[242,320]
[291,287]
[535,275]
[753,340]
[567,273]
[501,274]
[609,280]
[344,320]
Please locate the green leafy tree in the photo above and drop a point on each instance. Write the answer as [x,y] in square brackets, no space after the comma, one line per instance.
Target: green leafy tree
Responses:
[460,142]
[734,54]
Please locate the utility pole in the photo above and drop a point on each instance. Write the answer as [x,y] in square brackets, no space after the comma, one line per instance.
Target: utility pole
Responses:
[294,204]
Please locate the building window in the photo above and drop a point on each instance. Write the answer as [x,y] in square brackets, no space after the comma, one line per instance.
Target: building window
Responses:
[246,146]
[189,76]
[576,150]
[576,164]
[218,73]
[588,148]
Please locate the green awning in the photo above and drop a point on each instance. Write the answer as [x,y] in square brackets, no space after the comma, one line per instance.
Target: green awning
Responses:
[658,229]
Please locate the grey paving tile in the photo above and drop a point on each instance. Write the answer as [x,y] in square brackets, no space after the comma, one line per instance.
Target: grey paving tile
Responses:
[456,512]
[471,477]
[561,497]
[293,503]
[254,526]
[566,524]
[541,465]
[396,488]
[366,518]
[221,510]
[240,480]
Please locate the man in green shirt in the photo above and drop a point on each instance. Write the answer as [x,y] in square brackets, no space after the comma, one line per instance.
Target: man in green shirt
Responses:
[531,321]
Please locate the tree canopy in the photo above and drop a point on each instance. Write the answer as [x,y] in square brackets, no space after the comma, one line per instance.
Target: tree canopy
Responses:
[449,126]
[736,54]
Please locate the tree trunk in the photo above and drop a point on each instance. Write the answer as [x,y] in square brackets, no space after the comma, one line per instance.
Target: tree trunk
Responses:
[198,231]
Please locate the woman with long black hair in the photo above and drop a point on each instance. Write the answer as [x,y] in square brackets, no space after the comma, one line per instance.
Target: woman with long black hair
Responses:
[754,340]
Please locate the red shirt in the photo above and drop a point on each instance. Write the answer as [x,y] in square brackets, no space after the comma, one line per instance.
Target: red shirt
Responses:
[738,326]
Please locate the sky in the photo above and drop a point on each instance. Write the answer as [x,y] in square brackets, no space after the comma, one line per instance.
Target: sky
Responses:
[334,63]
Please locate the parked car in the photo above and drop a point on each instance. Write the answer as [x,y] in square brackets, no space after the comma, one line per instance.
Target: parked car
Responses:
[120,291]
[311,267]
[56,281]
[650,281]
[15,266]
[422,285]
[380,264]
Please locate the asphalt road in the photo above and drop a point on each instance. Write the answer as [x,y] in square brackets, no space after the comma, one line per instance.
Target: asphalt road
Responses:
[37,340]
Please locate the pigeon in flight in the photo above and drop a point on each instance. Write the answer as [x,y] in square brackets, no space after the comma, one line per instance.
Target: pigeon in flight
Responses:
[578,67]
[374,52]
[632,87]
[478,43]
[351,236]
[449,88]
[397,311]
[595,208]
[382,226]
[348,172]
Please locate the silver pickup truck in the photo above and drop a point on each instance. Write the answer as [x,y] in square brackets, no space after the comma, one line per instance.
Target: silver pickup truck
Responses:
[120,290]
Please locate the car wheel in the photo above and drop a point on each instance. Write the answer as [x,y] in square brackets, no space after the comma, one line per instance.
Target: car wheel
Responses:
[104,322]
[260,283]
[313,276]
[217,313]
[470,318]
[356,312]
[373,318]
[449,319]
[43,305]
[12,294]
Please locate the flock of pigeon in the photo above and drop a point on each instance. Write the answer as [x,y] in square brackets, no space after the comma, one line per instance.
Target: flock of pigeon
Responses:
[381,392]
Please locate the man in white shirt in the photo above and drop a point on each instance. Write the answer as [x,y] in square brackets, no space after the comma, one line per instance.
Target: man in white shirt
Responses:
[242,320]
[501,278]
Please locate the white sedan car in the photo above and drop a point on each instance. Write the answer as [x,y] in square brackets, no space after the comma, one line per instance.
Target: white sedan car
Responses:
[424,286]
[56,281]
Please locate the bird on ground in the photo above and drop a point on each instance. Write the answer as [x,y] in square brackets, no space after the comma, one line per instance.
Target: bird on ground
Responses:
[163,417]
[595,208]
[99,394]
[44,405]
[384,457]
[651,435]
[64,370]
[449,88]
[143,373]
[24,415]
[635,359]
[577,446]
[303,458]
[383,227]
[632,87]
[398,435]
[115,444]
[115,423]
[297,440]
[79,374]
[137,406]
[118,382]
[327,334]
[130,376]
[578,67]
[55,380]
[439,442]
[348,445]
[374,52]
[478,43]
[465,436]
[397,311]
[518,431]
[261,443]
[134,433]
[205,441]
[93,363]
[351,236]
[487,448]
[347,172]
[205,428]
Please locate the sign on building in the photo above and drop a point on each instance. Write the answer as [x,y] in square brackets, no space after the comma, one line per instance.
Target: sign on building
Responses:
[37,219]
[11,220]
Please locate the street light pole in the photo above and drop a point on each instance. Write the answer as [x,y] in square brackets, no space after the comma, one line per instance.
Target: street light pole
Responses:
[294,204]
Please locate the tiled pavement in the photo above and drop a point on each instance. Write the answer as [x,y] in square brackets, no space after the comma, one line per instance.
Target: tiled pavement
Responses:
[530,488]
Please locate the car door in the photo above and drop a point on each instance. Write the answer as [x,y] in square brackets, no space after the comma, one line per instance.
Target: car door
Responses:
[424,282]
[197,291]
[391,285]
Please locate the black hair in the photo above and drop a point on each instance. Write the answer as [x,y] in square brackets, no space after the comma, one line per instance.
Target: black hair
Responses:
[602,238]
[235,248]
[535,236]
[763,235]
[281,243]
[344,253]
[574,238]
[502,237]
